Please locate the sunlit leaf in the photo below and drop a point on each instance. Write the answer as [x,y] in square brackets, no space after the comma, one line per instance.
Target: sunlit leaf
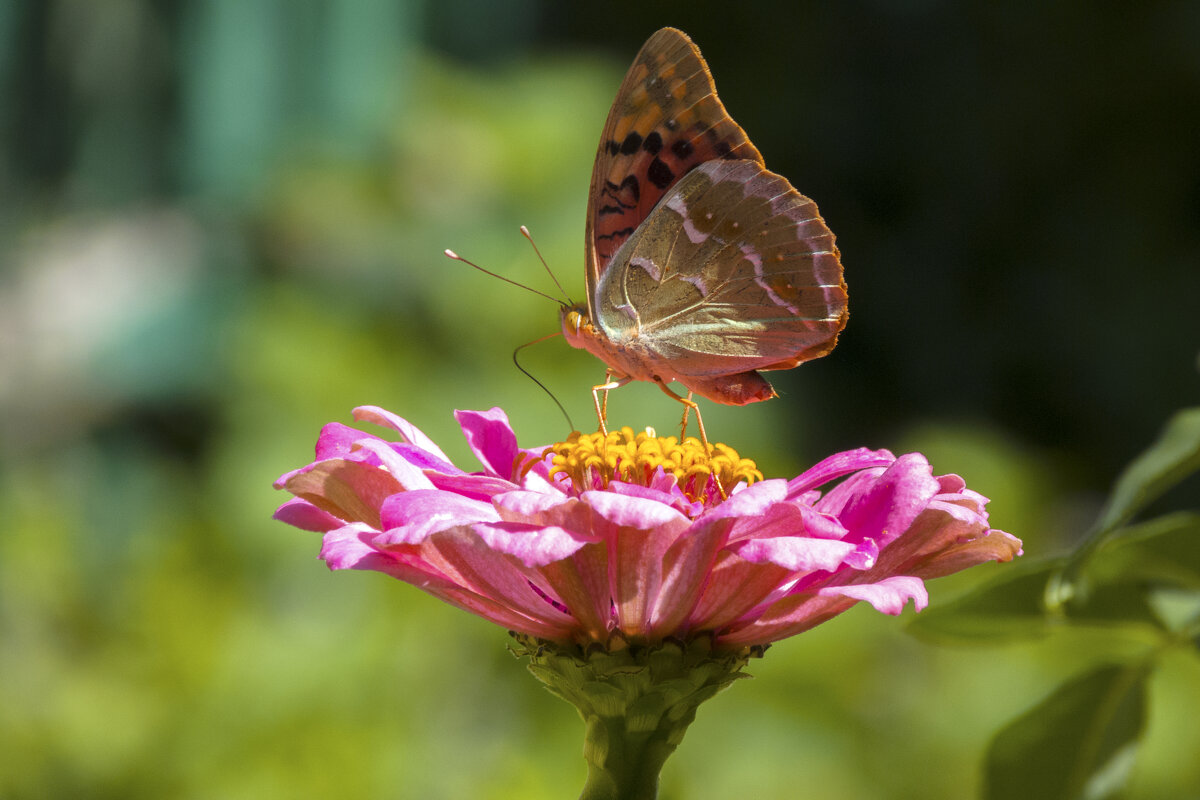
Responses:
[1079,742]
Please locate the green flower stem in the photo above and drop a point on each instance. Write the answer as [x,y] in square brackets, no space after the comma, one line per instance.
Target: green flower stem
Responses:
[636,701]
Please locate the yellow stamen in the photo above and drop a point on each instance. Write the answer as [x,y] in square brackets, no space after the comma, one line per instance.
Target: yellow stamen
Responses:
[592,460]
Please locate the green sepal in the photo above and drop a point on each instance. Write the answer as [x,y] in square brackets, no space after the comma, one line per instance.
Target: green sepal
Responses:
[635,700]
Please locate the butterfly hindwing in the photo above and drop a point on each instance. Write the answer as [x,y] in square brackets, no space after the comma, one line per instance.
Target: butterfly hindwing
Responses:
[666,120]
[735,270]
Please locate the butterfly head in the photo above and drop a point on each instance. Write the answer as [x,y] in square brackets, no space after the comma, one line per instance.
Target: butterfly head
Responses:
[576,326]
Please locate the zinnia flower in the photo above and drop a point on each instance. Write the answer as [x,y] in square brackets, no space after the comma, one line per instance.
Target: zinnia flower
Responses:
[635,536]
[638,574]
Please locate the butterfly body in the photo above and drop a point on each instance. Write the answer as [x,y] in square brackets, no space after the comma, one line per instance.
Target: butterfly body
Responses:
[703,267]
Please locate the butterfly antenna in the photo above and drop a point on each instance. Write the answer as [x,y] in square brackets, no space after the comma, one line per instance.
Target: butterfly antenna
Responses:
[525,232]
[539,383]
[457,257]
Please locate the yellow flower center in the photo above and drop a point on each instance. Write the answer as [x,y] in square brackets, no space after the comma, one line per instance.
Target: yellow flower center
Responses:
[592,460]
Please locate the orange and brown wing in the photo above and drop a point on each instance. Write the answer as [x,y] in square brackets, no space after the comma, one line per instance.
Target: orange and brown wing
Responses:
[666,120]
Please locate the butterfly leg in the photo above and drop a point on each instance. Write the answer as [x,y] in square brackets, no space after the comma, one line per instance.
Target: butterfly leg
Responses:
[602,407]
[689,405]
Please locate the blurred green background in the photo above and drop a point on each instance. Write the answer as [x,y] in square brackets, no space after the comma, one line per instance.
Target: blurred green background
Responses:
[221,226]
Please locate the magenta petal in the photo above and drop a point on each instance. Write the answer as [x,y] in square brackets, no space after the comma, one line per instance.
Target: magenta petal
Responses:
[477,486]
[888,596]
[835,466]
[886,509]
[423,459]
[411,517]
[411,433]
[305,516]
[491,439]
[337,440]
[407,475]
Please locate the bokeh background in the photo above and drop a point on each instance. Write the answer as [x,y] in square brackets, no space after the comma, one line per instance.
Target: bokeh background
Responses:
[221,226]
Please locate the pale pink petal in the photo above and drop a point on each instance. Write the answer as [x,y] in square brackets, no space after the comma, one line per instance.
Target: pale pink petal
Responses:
[337,440]
[635,512]
[888,596]
[469,562]
[553,509]
[638,533]
[687,565]
[795,553]
[533,545]
[734,587]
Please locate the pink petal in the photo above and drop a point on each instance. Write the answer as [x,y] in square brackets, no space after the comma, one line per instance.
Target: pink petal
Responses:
[835,466]
[634,512]
[687,565]
[411,433]
[734,587]
[412,517]
[533,545]
[306,516]
[491,439]
[887,596]
[480,487]
[638,533]
[886,508]
[337,440]
[795,553]
[407,475]
[350,490]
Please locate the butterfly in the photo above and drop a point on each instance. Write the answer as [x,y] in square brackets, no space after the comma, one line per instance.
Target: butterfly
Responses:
[703,267]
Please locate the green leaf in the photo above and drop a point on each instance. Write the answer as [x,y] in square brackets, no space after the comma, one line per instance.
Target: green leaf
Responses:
[1163,551]
[1008,607]
[1173,457]
[1080,742]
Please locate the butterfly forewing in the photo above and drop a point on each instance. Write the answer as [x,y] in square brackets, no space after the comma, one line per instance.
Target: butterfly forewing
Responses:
[734,271]
[665,121]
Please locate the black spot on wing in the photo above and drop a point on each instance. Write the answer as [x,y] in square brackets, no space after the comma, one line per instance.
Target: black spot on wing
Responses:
[631,144]
[682,149]
[660,174]
[653,143]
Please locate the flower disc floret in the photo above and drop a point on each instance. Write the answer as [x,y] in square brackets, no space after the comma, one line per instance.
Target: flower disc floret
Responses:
[594,460]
